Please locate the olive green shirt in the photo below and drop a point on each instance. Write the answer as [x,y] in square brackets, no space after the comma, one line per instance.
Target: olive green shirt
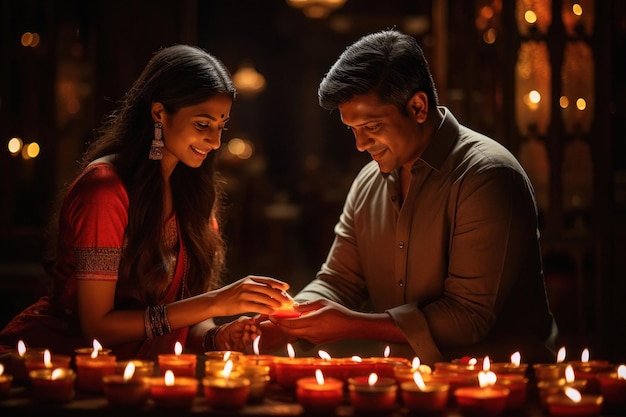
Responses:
[457,264]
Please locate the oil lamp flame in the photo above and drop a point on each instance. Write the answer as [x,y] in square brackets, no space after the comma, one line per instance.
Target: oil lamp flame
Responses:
[584,357]
[228,368]
[387,351]
[319,376]
[573,394]
[21,348]
[97,347]
[569,374]
[357,359]
[486,379]
[372,379]
[472,361]
[227,356]
[560,356]
[417,377]
[57,374]
[1,369]
[255,345]
[290,351]
[169,378]
[516,359]
[47,359]
[323,354]
[416,363]
[129,371]
[178,348]
[486,364]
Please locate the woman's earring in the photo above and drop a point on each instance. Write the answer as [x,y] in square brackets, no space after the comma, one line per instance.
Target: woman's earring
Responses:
[156,154]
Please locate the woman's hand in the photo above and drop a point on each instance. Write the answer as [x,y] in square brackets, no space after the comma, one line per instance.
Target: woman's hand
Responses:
[252,294]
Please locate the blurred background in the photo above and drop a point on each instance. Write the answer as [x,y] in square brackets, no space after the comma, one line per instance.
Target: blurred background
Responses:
[543,77]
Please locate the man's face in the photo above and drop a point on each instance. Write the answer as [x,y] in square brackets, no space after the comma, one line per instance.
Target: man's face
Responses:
[390,137]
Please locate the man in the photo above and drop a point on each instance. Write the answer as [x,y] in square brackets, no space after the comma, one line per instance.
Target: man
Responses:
[438,234]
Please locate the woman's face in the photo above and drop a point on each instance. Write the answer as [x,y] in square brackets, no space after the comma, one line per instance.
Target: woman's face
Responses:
[192,132]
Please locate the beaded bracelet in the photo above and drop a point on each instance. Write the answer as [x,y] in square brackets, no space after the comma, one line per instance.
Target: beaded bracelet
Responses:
[155,321]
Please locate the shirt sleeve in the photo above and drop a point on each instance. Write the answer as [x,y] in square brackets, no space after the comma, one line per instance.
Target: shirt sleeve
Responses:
[97,212]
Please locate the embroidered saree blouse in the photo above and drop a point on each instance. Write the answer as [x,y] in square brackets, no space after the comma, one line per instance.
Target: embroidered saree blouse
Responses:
[92,226]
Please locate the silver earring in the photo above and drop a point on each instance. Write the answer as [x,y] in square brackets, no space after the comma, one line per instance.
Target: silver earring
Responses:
[156,153]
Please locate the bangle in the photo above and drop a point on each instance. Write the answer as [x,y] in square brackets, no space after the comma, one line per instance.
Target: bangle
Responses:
[155,321]
[208,344]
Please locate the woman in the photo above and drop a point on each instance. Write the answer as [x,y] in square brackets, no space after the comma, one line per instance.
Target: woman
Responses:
[139,254]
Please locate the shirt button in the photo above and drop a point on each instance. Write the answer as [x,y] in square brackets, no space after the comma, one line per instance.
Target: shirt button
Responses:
[401,244]
[400,283]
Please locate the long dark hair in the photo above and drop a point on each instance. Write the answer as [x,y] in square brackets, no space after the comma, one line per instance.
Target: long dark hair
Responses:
[176,76]
[388,63]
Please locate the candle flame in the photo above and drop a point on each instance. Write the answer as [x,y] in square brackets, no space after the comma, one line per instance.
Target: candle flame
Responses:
[516,359]
[21,348]
[324,355]
[228,368]
[319,376]
[573,394]
[621,372]
[584,357]
[387,351]
[1,369]
[415,364]
[57,373]
[178,348]
[97,347]
[357,359]
[569,374]
[486,364]
[417,377]
[47,362]
[486,379]
[560,356]
[169,378]
[372,379]
[255,345]
[129,371]
[290,351]
[227,356]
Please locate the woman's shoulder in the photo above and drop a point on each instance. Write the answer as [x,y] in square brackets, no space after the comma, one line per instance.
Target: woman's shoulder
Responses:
[98,178]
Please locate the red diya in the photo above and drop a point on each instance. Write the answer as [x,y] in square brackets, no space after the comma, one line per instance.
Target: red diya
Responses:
[550,387]
[613,388]
[372,394]
[572,403]
[486,400]
[406,373]
[384,366]
[170,391]
[91,367]
[226,391]
[589,370]
[319,394]
[17,365]
[127,390]
[424,397]
[513,367]
[181,364]
[551,371]
[290,369]
[5,381]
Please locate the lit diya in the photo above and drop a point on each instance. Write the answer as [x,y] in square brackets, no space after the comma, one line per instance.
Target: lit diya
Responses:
[288,309]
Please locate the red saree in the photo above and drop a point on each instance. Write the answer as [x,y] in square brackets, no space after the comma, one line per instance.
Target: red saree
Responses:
[92,226]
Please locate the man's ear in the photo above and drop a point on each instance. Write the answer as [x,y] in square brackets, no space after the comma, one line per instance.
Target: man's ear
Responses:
[418,107]
[157,111]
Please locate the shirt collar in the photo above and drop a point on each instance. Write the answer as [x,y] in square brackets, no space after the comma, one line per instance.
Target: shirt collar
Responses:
[442,141]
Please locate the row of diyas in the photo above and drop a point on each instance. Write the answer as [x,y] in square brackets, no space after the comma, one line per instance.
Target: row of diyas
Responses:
[476,384]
